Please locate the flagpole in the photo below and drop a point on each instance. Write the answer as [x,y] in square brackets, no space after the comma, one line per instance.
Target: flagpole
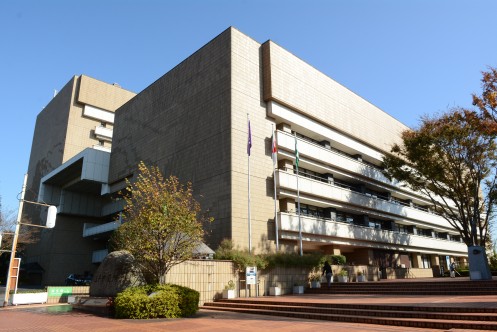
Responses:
[275,158]
[298,194]
[249,145]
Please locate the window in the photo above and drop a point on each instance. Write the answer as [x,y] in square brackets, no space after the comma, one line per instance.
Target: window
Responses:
[310,210]
[403,228]
[426,261]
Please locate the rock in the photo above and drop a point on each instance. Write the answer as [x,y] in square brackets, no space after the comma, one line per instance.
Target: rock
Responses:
[117,272]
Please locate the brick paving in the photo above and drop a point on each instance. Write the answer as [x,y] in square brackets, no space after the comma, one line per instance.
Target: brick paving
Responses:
[61,318]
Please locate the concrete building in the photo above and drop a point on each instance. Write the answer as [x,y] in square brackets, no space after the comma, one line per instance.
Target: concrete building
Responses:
[68,167]
[193,123]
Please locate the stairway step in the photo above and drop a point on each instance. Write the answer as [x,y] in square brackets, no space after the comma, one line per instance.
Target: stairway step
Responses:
[339,310]
[408,322]
[355,306]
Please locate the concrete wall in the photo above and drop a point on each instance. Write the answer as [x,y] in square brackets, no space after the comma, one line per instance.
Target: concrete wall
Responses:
[296,84]
[181,123]
[247,100]
[63,250]
[209,277]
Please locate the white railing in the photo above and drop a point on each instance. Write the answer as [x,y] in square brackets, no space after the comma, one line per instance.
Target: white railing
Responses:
[92,229]
[331,192]
[103,133]
[99,255]
[361,235]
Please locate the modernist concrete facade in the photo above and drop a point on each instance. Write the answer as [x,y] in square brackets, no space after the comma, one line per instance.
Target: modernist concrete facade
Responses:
[192,123]
[68,166]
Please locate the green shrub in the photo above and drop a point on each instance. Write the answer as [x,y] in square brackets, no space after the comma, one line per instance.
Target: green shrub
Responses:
[188,300]
[338,259]
[294,260]
[156,301]
[241,258]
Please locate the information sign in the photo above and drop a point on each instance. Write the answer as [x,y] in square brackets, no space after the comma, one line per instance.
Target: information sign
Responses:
[251,275]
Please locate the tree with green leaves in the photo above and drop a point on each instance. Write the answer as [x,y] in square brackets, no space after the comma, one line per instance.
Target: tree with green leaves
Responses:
[452,160]
[162,222]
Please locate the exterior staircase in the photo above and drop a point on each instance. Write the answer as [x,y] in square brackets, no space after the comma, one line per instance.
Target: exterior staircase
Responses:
[443,286]
[435,316]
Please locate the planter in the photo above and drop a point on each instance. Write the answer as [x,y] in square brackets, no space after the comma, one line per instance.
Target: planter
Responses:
[274,291]
[228,294]
[298,289]
[343,278]
[28,298]
[315,284]
[361,278]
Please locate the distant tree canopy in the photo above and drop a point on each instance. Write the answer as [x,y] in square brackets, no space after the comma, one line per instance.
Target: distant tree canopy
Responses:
[162,222]
[487,102]
[452,159]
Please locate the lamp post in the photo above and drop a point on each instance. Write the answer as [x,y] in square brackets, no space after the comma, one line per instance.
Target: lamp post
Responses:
[50,223]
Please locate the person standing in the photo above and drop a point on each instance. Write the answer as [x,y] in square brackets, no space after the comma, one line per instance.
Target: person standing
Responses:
[327,272]
[452,268]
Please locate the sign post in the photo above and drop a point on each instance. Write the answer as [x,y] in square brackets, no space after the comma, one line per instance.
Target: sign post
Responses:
[251,279]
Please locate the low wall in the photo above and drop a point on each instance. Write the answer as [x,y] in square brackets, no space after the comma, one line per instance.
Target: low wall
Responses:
[209,277]
[60,294]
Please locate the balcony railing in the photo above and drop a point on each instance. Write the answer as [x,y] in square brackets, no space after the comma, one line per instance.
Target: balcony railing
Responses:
[361,235]
[326,190]
[99,255]
[103,133]
[341,160]
[92,229]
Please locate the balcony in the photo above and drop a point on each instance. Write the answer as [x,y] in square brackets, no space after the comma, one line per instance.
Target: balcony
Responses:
[344,162]
[93,229]
[318,229]
[101,148]
[99,255]
[330,157]
[103,133]
[313,187]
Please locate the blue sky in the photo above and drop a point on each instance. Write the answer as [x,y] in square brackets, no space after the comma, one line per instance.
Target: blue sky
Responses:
[409,58]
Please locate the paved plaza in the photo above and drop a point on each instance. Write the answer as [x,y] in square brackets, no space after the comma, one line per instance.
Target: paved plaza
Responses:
[51,318]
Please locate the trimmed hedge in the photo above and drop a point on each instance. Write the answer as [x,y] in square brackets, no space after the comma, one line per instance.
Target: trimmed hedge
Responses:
[156,301]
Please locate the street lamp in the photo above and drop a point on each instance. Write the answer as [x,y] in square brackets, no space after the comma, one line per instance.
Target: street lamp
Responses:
[50,223]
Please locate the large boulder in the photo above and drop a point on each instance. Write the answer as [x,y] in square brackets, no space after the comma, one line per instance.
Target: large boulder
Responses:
[117,272]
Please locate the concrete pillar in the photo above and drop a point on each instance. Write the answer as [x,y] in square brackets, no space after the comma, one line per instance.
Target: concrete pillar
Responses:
[284,127]
[285,165]
[330,213]
[287,205]
[435,260]
[416,260]
[330,178]
[358,157]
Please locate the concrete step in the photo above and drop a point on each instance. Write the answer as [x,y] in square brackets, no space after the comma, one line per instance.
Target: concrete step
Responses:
[379,311]
[410,288]
[435,320]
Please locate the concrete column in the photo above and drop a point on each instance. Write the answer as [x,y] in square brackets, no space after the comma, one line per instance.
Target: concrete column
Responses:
[358,157]
[286,165]
[330,213]
[284,127]
[287,205]
[416,260]
[330,178]
[435,260]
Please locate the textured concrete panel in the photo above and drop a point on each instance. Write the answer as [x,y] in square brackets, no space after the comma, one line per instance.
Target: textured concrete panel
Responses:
[181,123]
[294,83]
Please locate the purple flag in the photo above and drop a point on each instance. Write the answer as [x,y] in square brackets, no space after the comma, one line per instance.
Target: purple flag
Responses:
[249,142]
